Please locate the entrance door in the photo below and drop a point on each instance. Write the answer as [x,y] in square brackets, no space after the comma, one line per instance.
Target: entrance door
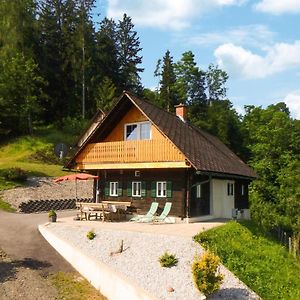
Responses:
[200,203]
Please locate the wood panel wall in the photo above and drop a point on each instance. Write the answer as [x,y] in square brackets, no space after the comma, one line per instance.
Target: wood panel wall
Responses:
[133,115]
[142,204]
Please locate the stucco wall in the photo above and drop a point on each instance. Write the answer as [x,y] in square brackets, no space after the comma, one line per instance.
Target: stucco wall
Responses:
[222,204]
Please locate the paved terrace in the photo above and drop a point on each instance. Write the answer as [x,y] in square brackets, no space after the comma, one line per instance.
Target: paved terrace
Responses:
[182,229]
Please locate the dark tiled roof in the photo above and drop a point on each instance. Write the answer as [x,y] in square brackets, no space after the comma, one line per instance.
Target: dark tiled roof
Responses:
[204,151]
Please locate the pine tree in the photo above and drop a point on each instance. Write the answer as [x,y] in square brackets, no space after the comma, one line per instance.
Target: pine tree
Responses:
[107,63]
[128,55]
[190,82]
[167,94]
[106,95]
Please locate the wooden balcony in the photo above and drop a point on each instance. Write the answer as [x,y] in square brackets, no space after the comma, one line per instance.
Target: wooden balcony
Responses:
[131,154]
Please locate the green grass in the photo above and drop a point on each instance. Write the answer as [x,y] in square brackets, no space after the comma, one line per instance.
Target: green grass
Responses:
[18,152]
[6,206]
[72,287]
[260,262]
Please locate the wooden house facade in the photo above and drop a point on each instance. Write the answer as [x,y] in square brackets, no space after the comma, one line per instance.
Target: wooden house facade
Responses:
[142,154]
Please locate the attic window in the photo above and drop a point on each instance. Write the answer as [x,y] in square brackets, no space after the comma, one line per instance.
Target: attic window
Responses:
[138,131]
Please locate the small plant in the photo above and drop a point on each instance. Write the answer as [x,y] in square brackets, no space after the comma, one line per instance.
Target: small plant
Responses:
[205,275]
[52,215]
[91,235]
[168,260]
[14,174]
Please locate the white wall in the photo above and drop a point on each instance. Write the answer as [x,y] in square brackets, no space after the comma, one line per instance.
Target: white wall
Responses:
[222,204]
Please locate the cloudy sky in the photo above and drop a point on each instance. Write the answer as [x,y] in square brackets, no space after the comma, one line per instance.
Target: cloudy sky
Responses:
[256,41]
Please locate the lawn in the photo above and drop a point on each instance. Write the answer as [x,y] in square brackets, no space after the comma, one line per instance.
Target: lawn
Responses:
[74,287]
[260,262]
[34,154]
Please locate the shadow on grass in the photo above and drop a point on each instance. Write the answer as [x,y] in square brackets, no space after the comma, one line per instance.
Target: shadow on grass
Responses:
[9,268]
[230,293]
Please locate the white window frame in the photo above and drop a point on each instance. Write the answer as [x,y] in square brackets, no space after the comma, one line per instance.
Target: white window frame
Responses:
[243,190]
[230,190]
[161,193]
[138,124]
[113,188]
[198,190]
[139,190]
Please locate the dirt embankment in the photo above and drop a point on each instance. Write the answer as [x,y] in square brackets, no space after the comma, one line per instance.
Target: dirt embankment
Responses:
[43,188]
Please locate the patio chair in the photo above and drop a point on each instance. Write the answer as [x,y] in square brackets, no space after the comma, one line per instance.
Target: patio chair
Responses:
[149,215]
[164,215]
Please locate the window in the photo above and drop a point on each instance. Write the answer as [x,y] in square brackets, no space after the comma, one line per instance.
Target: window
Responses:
[113,189]
[230,189]
[161,189]
[243,189]
[138,131]
[136,189]
[198,191]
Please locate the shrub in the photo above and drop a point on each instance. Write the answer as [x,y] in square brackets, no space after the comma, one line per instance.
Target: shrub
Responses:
[14,174]
[91,235]
[168,260]
[51,213]
[205,275]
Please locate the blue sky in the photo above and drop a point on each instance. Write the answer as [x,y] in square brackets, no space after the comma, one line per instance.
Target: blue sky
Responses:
[256,41]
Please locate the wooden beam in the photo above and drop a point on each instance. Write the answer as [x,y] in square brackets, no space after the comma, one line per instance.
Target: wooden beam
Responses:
[116,166]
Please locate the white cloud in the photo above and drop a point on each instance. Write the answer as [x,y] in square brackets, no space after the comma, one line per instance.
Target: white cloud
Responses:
[277,7]
[165,14]
[242,62]
[254,35]
[292,100]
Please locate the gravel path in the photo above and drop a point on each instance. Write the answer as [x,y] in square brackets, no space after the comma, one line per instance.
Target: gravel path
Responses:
[139,261]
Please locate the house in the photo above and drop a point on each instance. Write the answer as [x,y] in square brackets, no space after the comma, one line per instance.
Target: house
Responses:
[142,153]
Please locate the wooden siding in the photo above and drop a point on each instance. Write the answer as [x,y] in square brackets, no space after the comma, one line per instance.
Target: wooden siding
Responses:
[130,152]
[133,116]
[241,201]
[142,204]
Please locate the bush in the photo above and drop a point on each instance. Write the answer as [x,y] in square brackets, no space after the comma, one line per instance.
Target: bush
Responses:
[168,260]
[14,174]
[91,235]
[51,213]
[204,271]
[73,126]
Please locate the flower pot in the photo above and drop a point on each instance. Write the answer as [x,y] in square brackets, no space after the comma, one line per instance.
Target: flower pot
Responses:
[52,218]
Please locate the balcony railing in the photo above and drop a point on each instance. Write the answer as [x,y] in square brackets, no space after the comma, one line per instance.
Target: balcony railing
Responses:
[130,152]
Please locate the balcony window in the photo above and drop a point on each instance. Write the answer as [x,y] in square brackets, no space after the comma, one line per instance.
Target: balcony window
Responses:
[138,131]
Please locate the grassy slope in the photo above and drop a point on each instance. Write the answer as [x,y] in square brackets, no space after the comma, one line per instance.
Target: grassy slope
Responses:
[71,288]
[16,153]
[264,265]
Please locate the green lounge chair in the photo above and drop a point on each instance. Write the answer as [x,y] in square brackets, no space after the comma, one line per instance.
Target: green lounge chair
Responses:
[149,215]
[164,215]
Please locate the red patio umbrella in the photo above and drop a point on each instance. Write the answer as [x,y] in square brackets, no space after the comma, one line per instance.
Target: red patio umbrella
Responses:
[76,176]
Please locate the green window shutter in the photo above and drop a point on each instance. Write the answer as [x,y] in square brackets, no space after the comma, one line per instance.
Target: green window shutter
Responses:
[129,188]
[169,189]
[106,189]
[153,189]
[120,189]
[143,191]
